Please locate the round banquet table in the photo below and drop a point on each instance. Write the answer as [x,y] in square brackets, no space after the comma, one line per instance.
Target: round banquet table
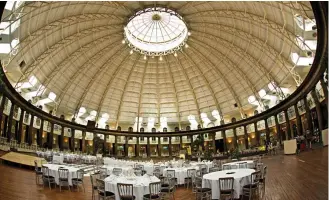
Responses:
[180,173]
[250,164]
[241,178]
[141,184]
[53,171]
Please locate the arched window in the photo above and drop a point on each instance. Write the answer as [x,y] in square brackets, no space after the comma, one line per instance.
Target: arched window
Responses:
[119,128]
[154,130]
[233,119]
[188,128]
[165,129]
[141,130]
[176,129]
[62,117]
[130,129]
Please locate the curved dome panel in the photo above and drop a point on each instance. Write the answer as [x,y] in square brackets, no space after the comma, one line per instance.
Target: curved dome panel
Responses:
[234,50]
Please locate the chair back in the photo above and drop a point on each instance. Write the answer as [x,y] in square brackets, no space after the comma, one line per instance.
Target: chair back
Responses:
[141,167]
[255,177]
[138,172]
[191,173]
[243,165]
[155,189]
[80,174]
[126,191]
[63,174]
[170,173]
[93,178]
[226,167]
[264,172]
[226,183]
[36,166]
[156,167]
[100,185]
[45,171]
[117,171]
[203,170]
[198,182]
[103,172]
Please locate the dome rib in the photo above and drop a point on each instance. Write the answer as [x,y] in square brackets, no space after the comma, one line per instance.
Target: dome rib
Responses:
[221,76]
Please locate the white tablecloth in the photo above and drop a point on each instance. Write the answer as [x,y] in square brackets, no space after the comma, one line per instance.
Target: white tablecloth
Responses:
[141,184]
[125,170]
[250,164]
[180,173]
[241,178]
[53,171]
[209,164]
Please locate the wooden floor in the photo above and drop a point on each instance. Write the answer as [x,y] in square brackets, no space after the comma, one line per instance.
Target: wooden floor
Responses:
[303,177]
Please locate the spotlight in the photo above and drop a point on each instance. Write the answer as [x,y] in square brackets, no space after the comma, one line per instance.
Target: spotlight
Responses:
[131,51]
[123,41]
[186,45]
[175,54]
[189,33]
[160,58]
[144,57]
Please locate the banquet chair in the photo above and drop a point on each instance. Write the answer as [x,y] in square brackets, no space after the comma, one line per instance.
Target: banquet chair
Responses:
[157,172]
[63,177]
[251,191]
[117,171]
[171,174]
[169,191]
[79,179]
[102,194]
[46,177]
[262,180]
[226,188]
[226,167]
[154,191]
[200,192]
[126,191]
[190,174]
[214,169]
[259,166]
[243,165]
[204,170]
[93,178]
[38,172]
[103,172]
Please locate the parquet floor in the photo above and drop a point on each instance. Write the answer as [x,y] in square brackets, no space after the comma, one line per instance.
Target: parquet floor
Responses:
[303,177]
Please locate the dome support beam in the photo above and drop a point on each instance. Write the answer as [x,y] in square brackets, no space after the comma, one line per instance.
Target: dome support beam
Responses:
[107,87]
[207,83]
[124,89]
[175,91]
[191,88]
[100,71]
[228,85]
[234,66]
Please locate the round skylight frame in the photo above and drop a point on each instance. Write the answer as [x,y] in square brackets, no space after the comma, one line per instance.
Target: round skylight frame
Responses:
[163,20]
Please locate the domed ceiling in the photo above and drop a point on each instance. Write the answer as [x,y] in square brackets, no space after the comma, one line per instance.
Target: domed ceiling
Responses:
[168,60]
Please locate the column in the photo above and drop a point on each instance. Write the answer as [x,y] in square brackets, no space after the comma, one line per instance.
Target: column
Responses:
[51,136]
[104,145]
[287,124]
[2,106]
[278,130]
[20,127]
[318,112]
[72,139]
[235,138]
[308,116]
[299,121]
[148,147]
[83,141]
[325,90]
[159,146]
[267,131]
[224,138]
[61,143]
[115,145]
[31,129]
[181,142]
[39,141]
[10,122]
[126,146]
[246,142]
[214,142]
[137,146]
[257,134]
[170,147]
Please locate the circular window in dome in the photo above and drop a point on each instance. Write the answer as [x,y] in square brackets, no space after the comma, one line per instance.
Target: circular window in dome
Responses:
[156,31]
